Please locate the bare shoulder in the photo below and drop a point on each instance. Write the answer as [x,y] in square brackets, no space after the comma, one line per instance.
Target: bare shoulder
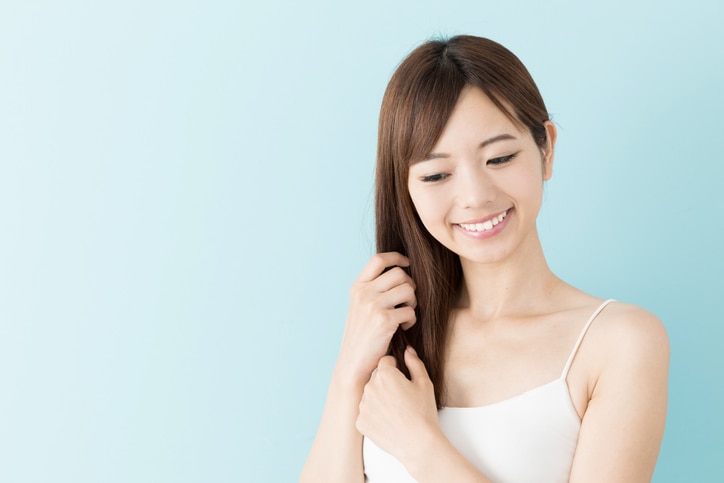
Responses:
[631,344]
[623,420]
[631,330]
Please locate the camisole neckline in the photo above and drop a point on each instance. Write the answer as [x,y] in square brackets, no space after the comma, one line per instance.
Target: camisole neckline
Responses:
[531,436]
[561,379]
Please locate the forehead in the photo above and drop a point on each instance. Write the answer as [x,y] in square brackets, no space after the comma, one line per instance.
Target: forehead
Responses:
[475,117]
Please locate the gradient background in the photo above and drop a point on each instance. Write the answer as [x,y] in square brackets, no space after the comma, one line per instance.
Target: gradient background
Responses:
[186,196]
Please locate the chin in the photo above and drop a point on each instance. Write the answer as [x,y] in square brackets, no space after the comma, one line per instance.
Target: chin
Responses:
[487,257]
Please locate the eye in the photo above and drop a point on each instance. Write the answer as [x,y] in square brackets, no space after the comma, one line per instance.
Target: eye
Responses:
[432,178]
[502,159]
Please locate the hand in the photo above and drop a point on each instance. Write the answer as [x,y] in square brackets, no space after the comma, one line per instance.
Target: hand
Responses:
[397,414]
[380,302]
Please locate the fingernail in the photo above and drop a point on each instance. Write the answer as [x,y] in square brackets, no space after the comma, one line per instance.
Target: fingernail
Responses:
[411,349]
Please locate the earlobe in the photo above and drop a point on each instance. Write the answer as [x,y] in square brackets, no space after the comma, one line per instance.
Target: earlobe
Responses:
[548,152]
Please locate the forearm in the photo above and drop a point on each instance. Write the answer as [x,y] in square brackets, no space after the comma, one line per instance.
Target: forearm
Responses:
[439,461]
[336,453]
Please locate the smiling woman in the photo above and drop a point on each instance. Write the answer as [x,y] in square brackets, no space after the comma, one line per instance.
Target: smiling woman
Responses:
[481,190]
[464,357]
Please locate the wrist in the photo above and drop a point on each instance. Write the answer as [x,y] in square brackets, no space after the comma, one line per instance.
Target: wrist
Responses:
[349,381]
[436,459]
[427,447]
[349,375]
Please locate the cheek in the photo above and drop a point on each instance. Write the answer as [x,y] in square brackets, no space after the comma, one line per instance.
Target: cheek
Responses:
[532,199]
[427,210]
[525,185]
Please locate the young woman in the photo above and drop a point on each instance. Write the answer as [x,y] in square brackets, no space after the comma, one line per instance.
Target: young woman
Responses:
[464,358]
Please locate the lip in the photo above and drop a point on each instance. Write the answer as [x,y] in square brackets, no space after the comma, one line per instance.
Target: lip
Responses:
[478,235]
[483,220]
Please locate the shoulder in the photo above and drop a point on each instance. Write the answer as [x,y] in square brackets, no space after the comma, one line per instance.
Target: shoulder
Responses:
[623,422]
[630,344]
[629,328]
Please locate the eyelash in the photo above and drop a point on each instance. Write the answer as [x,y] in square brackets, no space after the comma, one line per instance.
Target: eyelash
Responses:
[433,178]
[502,159]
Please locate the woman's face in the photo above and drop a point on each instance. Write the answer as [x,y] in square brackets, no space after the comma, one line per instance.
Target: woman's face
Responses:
[479,191]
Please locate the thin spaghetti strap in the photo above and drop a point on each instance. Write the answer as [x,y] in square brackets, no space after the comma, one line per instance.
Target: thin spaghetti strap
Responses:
[580,337]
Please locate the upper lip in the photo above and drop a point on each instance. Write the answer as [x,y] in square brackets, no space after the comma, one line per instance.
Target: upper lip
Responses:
[483,220]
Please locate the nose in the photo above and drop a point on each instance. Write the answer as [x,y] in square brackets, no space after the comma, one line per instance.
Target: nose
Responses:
[475,187]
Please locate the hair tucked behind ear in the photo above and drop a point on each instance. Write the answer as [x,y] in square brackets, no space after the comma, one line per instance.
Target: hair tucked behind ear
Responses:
[418,102]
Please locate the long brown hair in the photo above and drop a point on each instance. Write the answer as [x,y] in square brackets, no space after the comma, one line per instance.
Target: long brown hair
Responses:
[416,106]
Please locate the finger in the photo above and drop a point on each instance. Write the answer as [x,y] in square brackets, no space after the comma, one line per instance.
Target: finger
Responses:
[414,364]
[387,362]
[398,296]
[391,279]
[401,316]
[409,319]
[379,262]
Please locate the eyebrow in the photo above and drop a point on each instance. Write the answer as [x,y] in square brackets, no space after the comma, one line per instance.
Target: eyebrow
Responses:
[487,142]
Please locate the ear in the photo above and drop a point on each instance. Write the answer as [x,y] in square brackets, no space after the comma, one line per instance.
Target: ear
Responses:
[549,150]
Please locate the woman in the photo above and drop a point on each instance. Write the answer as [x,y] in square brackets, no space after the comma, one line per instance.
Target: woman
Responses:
[514,375]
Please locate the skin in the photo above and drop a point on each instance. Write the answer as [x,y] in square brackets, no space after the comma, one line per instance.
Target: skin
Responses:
[513,327]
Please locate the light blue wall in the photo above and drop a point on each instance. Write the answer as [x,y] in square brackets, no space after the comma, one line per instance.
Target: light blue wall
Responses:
[186,195]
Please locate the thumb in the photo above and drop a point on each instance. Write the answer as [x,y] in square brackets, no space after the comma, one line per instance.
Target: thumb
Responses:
[415,365]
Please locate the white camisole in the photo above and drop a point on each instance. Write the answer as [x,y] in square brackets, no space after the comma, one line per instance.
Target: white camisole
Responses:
[527,438]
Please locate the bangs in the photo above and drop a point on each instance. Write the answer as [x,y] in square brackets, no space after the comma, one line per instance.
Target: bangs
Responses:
[421,97]
[425,88]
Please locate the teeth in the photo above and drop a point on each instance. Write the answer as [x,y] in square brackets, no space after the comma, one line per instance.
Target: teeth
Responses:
[488,225]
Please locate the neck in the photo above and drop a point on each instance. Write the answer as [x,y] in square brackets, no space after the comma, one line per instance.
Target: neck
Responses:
[513,285]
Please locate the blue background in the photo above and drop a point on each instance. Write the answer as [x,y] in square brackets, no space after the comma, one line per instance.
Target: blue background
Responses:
[186,196]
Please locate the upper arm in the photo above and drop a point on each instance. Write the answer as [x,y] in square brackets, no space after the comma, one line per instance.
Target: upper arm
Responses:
[623,425]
